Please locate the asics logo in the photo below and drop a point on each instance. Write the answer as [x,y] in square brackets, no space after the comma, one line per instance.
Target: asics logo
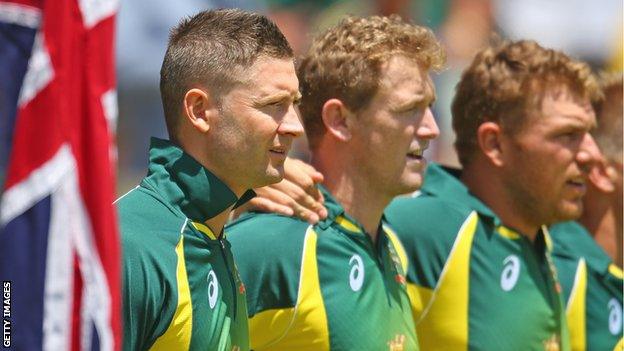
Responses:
[511,271]
[356,277]
[615,317]
[213,289]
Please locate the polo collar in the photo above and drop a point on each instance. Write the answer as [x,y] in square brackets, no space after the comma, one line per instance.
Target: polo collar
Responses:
[336,214]
[577,242]
[344,222]
[186,184]
[444,182]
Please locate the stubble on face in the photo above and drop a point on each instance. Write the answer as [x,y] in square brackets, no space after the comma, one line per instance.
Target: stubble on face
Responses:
[544,177]
[251,151]
[390,146]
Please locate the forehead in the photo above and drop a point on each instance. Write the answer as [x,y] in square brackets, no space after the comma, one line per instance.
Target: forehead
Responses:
[268,75]
[404,79]
[560,107]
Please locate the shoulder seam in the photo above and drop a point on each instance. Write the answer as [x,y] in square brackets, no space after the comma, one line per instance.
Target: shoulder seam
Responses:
[124,195]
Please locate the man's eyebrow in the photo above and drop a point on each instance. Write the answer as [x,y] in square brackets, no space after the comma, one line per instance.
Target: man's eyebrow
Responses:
[577,122]
[279,96]
[414,102]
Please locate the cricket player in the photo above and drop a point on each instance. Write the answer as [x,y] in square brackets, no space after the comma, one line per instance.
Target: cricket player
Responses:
[340,284]
[229,87]
[588,253]
[480,272]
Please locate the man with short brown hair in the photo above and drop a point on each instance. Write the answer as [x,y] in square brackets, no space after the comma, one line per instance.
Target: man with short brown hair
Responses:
[480,272]
[229,87]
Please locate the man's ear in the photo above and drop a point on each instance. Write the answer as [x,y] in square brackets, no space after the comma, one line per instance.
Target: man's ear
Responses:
[335,114]
[199,106]
[489,136]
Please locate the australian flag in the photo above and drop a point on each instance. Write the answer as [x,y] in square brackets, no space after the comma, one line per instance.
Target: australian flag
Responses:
[59,246]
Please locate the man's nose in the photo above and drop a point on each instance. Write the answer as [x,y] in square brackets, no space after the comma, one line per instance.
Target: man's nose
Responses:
[291,124]
[589,153]
[428,128]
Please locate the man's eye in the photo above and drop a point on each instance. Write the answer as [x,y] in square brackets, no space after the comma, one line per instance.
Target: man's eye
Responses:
[571,135]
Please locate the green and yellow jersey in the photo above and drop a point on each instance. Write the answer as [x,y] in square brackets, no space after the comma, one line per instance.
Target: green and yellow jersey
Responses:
[322,287]
[181,290]
[592,289]
[474,283]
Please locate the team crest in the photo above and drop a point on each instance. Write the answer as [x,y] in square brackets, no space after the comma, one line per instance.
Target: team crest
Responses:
[552,344]
[397,344]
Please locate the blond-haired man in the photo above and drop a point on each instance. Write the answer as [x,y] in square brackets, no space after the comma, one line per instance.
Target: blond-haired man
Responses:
[340,284]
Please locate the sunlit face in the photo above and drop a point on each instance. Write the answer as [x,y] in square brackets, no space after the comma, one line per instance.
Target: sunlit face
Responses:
[258,122]
[394,130]
[548,160]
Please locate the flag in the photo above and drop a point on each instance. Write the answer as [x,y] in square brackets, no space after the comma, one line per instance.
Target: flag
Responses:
[59,245]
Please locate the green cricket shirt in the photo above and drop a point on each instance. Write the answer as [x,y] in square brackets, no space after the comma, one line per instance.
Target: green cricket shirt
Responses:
[181,290]
[322,287]
[474,283]
[592,288]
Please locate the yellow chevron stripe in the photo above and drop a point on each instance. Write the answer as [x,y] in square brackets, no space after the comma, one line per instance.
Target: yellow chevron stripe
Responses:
[447,311]
[347,224]
[178,334]
[268,326]
[419,299]
[575,309]
[507,233]
[619,346]
[398,247]
[307,330]
[204,229]
[616,271]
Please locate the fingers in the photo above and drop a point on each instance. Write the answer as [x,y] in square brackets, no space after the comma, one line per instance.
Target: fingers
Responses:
[296,195]
[265,205]
[316,176]
[304,176]
[302,198]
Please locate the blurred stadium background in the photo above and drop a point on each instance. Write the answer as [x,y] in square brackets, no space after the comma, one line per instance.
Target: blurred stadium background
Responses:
[589,30]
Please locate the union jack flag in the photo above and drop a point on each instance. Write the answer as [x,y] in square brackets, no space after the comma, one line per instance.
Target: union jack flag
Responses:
[59,246]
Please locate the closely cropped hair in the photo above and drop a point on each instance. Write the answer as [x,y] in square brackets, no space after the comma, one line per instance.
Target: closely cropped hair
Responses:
[505,83]
[211,49]
[609,115]
[345,62]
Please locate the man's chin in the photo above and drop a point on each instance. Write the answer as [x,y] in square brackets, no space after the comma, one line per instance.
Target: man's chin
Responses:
[407,186]
[570,210]
[275,174]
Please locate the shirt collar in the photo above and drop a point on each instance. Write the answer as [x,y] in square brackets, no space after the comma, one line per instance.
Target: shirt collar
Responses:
[344,222]
[336,214]
[186,184]
[574,241]
[444,182]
